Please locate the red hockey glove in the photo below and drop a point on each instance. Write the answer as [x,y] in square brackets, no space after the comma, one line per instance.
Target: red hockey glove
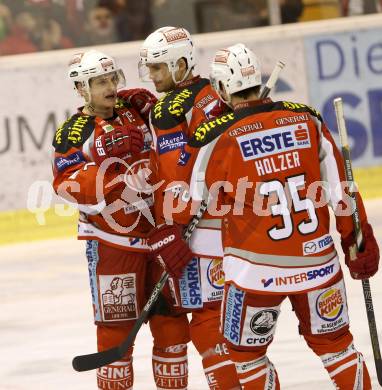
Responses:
[169,249]
[219,109]
[118,142]
[362,265]
[141,99]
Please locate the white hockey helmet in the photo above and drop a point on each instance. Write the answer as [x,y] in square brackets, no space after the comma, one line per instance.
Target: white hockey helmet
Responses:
[167,45]
[236,68]
[93,63]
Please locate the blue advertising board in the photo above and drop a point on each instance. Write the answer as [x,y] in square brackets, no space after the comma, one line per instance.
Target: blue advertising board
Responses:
[349,65]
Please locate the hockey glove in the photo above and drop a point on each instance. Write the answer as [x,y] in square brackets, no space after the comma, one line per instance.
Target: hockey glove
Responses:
[362,265]
[219,109]
[140,99]
[169,249]
[119,142]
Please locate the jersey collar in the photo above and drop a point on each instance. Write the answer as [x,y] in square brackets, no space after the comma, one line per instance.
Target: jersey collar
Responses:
[251,103]
[186,83]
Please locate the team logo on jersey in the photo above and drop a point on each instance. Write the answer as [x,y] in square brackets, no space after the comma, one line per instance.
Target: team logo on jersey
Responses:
[330,304]
[215,274]
[317,245]
[175,106]
[118,297]
[259,325]
[169,142]
[62,163]
[76,129]
[136,176]
[190,285]
[183,158]
[204,128]
[327,308]
[267,282]
[263,321]
[273,141]
[297,106]
[233,314]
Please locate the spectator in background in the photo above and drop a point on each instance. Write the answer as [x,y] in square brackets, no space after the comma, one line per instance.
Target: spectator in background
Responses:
[23,35]
[291,10]
[132,17]
[100,27]
[51,37]
[5,21]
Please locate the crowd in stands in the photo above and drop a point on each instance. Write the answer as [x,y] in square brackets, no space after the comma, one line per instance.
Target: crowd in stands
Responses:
[37,25]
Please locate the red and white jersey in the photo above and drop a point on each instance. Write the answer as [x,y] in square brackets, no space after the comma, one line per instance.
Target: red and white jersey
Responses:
[280,170]
[113,209]
[174,119]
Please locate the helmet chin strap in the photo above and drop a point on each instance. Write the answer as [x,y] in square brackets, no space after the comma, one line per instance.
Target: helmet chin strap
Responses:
[226,101]
[174,69]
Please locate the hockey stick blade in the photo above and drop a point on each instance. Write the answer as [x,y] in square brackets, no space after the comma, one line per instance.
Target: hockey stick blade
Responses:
[96,360]
[372,328]
[103,358]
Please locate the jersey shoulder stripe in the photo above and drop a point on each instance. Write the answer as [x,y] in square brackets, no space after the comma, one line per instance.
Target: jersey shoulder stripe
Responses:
[297,107]
[171,109]
[208,131]
[73,132]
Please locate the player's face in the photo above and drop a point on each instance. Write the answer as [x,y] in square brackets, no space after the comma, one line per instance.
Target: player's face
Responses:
[161,77]
[103,90]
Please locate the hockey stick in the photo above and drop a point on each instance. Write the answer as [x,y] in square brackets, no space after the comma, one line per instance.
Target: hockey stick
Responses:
[338,106]
[103,358]
[272,79]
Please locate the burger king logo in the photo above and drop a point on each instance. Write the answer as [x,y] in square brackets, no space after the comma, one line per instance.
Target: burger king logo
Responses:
[215,274]
[330,304]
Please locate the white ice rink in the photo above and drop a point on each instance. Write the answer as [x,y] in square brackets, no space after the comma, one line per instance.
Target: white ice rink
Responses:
[46,319]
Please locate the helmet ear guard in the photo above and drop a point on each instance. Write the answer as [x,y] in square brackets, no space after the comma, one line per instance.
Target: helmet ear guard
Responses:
[236,68]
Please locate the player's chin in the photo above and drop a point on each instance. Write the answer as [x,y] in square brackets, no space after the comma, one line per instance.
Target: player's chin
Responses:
[110,102]
[159,87]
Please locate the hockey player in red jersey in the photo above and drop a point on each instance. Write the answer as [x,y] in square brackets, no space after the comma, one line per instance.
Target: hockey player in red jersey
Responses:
[101,153]
[280,170]
[167,59]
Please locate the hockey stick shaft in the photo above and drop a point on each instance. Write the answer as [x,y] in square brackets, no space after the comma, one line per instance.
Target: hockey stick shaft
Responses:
[338,106]
[99,359]
[103,358]
[272,79]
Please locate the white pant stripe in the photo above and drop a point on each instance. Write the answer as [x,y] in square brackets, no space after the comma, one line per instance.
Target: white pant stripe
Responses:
[343,367]
[218,365]
[254,376]
[171,360]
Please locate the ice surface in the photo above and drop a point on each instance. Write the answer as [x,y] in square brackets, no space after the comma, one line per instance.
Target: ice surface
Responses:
[46,319]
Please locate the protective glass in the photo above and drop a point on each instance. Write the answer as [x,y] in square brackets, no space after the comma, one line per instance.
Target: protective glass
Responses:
[116,77]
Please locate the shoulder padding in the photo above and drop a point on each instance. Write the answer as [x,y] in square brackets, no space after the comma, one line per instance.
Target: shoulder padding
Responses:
[73,132]
[297,107]
[171,109]
[208,131]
